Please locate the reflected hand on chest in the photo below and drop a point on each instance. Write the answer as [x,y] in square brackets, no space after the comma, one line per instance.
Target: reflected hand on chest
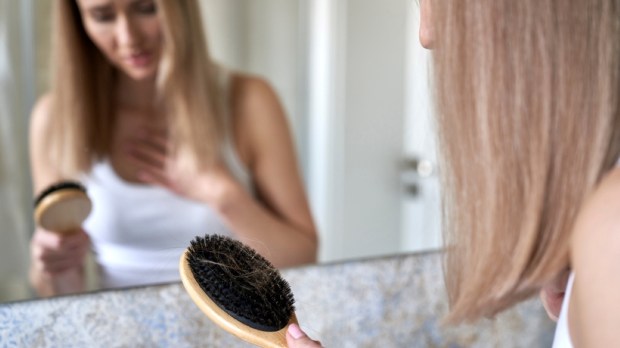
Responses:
[132,129]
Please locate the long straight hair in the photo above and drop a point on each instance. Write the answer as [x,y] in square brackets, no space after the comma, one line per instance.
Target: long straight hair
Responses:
[527,97]
[83,98]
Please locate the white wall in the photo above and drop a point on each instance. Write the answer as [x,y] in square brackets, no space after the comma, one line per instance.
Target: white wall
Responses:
[264,38]
[16,94]
[374,125]
[356,103]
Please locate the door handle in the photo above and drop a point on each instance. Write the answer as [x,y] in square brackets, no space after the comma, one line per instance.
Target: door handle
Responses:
[423,168]
[412,170]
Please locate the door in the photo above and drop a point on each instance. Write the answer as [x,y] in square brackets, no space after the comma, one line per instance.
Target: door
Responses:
[352,77]
[420,205]
[369,118]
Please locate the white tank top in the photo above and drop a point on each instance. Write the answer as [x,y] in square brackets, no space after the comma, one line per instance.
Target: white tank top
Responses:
[139,232]
[562,334]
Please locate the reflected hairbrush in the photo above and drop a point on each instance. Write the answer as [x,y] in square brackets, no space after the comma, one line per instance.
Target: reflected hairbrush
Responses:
[62,207]
[238,289]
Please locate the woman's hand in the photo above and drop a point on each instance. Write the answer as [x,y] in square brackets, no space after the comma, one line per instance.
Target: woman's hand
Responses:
[552,294]
[151,152]
[52,253]
[57,262]
[295,338]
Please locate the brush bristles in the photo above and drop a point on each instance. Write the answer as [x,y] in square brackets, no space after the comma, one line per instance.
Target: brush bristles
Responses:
[59,186]
[241,282]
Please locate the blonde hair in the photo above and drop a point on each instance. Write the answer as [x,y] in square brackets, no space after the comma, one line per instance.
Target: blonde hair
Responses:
[83,82]
[527,103]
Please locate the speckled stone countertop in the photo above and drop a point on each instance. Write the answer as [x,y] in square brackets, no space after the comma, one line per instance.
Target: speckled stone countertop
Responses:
[388,302]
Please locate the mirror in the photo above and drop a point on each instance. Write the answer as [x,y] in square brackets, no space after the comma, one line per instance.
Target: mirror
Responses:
[352,78]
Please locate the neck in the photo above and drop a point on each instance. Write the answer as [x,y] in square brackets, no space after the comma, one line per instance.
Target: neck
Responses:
[135,93]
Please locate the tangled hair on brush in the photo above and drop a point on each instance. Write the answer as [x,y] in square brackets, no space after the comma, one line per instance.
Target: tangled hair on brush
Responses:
[241,282]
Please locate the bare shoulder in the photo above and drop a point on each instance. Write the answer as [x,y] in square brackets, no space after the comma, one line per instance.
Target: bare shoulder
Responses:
[259,120]
[597,229]
[40,116]
[254,95]
[595,256]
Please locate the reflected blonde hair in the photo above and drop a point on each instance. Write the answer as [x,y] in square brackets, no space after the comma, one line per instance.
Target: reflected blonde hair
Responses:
[83,81]
[527,103]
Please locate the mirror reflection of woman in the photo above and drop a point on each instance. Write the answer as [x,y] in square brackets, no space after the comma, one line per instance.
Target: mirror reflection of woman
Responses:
[168,144]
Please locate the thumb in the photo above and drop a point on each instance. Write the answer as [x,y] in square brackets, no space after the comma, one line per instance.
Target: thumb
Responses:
[296,338]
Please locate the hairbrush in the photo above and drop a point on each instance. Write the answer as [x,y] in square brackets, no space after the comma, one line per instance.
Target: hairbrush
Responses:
[238,289]
[62,207]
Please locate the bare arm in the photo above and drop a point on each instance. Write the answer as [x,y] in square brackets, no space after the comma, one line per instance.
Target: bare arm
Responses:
[280,226]
[277,223]
[594,309]
[56,262]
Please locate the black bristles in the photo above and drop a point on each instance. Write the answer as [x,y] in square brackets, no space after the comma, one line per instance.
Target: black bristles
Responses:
[241,282]
[58,186]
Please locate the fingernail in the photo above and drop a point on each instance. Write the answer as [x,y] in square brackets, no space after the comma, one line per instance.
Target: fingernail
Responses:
[295,331]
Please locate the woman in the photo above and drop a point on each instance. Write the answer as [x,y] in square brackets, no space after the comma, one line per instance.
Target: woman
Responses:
[528,106]
[168,144]
[530,136]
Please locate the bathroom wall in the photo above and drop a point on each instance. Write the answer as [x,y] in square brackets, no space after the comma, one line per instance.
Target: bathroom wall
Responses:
[15,203]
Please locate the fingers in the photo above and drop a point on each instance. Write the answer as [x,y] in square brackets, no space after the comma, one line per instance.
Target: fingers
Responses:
[152,165]
[157,138]
[150,152]
[59,241]
[296,338]
[147,154]
[59,265]
[54,253]
[152,176]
